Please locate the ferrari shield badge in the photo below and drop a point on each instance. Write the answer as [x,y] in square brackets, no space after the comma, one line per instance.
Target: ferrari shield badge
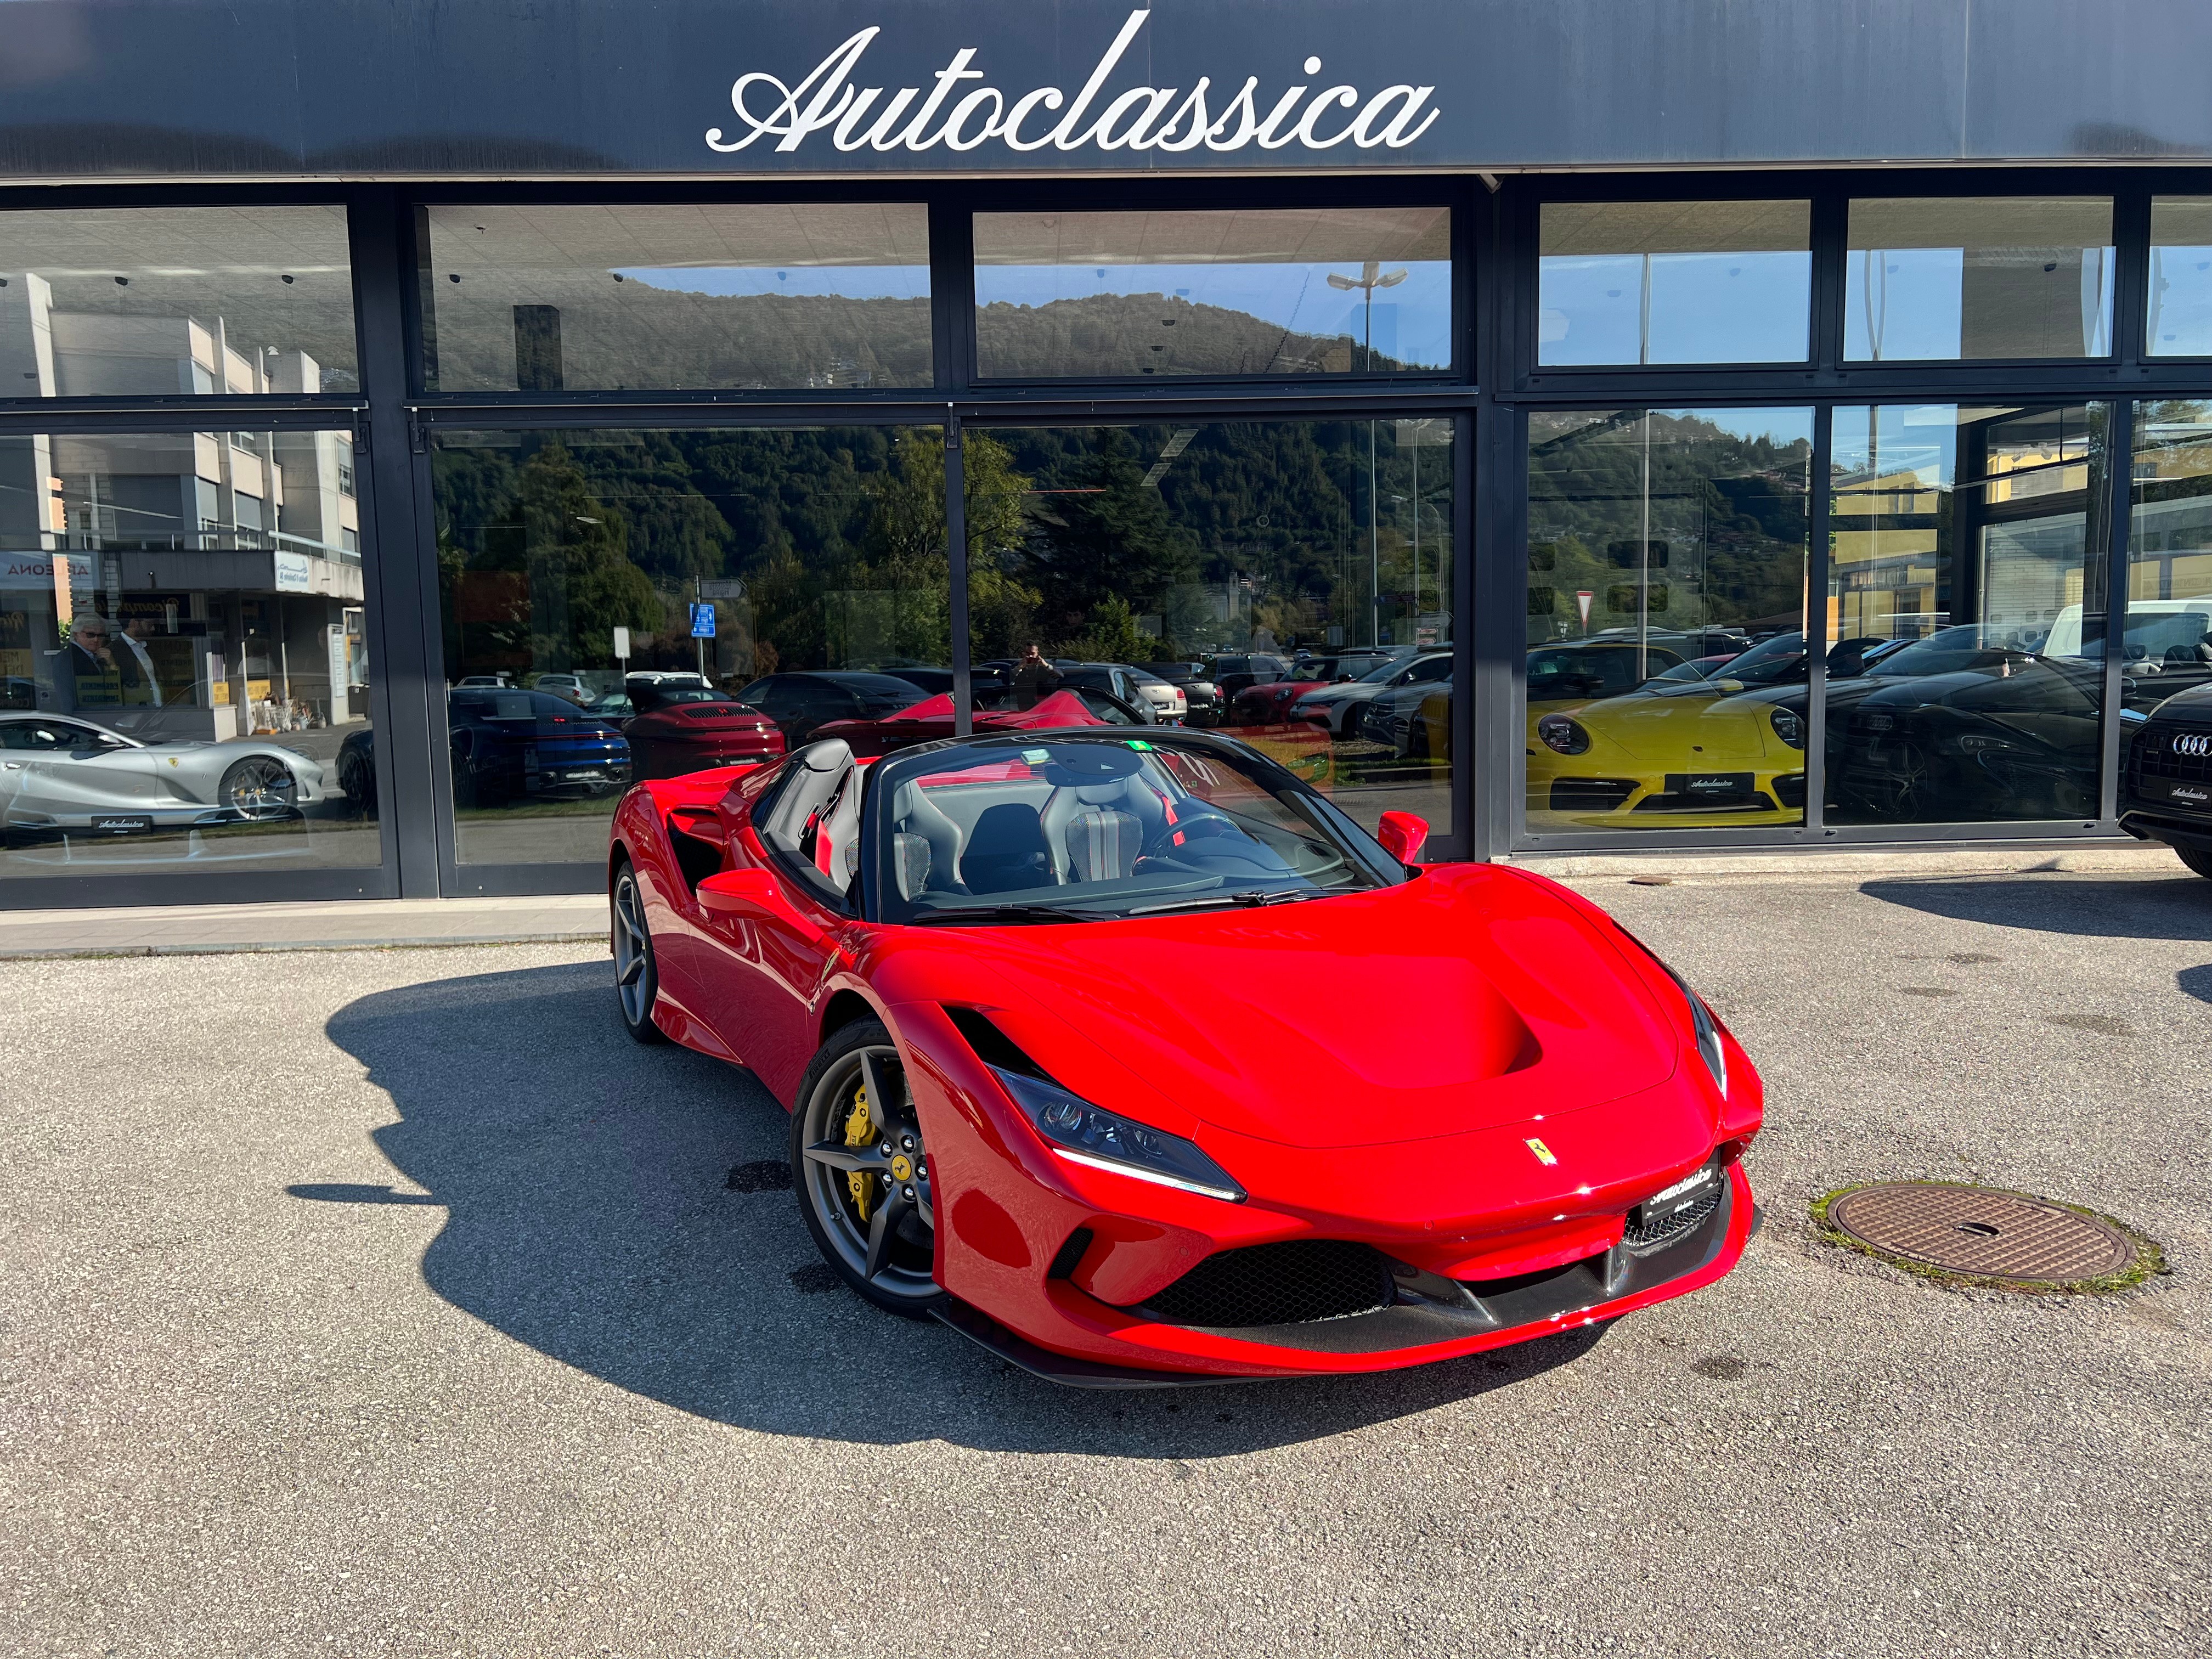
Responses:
[1544,1154]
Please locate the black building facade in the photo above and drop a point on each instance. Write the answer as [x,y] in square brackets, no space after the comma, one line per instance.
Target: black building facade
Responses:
[1608,426]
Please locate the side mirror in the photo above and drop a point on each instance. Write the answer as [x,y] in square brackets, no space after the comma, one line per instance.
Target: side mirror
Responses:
[739,893]
[1402,835]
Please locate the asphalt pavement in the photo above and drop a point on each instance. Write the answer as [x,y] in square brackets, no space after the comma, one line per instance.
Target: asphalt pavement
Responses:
[394,1302]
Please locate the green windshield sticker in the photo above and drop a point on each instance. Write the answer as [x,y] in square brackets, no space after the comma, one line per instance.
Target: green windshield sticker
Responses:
[1138,742]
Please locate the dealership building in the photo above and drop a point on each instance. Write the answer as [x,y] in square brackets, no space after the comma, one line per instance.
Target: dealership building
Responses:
[1633,423]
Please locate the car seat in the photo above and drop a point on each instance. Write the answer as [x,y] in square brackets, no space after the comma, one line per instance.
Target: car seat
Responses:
[925,845]
[815,815]
[1093,834]
[1007,852]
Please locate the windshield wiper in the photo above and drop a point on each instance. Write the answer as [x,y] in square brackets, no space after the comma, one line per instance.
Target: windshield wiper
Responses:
[1015,912]
[1250,900]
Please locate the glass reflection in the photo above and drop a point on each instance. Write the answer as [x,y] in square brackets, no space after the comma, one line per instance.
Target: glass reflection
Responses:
[1269,291]
[1666,666]
[109,302]
[1286,582]
[1966,622]
[675,296]
[2179,321]
[1674,282]
[2167,638]
[621,604]
[184,668]
[1951,277]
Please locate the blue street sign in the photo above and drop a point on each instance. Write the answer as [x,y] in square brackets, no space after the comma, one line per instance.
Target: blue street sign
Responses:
[702,622]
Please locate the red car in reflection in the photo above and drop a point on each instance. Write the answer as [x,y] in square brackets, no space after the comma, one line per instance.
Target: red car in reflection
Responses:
[957,967]
[692,728]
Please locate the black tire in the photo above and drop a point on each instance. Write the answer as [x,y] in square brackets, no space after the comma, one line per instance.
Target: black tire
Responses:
[2198,860]
[870,1211]
[357,778]
[637,974]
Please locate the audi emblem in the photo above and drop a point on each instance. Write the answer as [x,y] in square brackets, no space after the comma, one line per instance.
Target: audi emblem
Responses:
[2193,742]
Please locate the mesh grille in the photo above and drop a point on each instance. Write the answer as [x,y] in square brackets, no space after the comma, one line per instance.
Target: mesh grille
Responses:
[1640,1235]
[2156,757]
[1590,795]
[1287,1284]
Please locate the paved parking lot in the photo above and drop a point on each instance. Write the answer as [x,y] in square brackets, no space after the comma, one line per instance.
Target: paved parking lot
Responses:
[393,1302]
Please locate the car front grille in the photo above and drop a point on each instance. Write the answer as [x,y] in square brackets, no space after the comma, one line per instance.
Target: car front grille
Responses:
[1590,795]
[1643,1237]
[1286,1284]
[2161,752]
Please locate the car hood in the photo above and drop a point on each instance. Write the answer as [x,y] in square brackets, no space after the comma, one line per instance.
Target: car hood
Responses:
[1722,717]
[1465,999]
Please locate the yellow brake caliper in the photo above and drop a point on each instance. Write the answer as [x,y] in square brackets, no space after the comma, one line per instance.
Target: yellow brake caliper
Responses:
[858,1130]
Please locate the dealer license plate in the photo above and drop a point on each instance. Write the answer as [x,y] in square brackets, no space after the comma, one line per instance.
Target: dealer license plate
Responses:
[1711,784]
[122,823]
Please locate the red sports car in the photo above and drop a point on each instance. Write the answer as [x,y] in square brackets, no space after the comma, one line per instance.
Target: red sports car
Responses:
[960,967]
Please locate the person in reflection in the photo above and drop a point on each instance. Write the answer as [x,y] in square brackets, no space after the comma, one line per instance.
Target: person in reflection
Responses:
[97,683]
[1035,679]
[136,664]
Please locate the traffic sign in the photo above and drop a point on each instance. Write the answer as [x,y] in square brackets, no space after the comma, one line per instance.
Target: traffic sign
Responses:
[702,622]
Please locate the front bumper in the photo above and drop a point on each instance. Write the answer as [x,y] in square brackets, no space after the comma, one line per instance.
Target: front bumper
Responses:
[1073,1262]
[1428,1322]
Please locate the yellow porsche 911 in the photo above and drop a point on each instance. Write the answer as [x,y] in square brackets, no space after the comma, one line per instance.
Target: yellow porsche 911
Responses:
[1678,752]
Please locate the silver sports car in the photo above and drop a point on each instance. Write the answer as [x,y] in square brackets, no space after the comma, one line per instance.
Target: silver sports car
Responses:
[66,774]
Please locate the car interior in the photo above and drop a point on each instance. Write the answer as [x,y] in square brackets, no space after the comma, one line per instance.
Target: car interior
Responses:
[813,817]
[1090,815]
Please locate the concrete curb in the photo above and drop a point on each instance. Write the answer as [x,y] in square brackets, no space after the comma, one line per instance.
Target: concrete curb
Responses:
[1835,864]
[426,942]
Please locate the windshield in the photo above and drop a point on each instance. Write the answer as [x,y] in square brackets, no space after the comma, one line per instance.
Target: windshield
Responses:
[1104,828]
[1952,650]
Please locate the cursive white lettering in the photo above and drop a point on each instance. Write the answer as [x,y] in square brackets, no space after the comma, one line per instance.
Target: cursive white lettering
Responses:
[1394,134]
[950,76]
[1135,118]
[1063,136]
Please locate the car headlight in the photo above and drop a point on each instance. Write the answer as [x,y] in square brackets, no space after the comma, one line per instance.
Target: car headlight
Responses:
[1087,1134]
[1788,726]
[1557,732]
[1706,1028]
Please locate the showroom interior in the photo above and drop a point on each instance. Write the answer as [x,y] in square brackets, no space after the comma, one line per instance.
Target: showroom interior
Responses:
[1726,506]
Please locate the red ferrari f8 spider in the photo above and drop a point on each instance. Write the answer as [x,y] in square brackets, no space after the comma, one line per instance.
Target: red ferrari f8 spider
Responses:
[996,980]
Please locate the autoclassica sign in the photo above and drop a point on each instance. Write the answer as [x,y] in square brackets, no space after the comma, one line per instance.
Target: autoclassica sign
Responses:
[830,105]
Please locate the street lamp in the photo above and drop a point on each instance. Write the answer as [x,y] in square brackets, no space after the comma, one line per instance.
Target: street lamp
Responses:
[1371,277]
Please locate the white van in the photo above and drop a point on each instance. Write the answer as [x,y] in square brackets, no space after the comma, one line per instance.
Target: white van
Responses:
[2158,630]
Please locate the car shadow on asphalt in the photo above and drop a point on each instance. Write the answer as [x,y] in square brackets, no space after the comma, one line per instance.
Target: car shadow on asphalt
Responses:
[606,1206]
[2127,908]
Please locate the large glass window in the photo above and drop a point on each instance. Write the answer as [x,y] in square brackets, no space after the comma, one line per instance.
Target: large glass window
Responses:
[1965,619]
[675,297]
[1674,282]
[184,670]
[1979,276]
[1286,581]
[1667,675]
[113,302]
[1267,291]
[623,603]
[2168,632]
[2180,320]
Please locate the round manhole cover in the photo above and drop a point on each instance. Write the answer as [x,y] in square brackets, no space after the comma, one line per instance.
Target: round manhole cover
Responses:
[1982,1233]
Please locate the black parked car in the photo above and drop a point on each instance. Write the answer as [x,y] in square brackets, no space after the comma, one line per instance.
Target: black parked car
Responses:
[506,746]
[799,702]
[1202,698]
[2166,791]
[1233,674]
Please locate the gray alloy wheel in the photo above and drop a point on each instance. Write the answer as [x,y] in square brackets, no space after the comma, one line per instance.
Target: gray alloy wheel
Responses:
[258,789]
[863,1173]
[637,980]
